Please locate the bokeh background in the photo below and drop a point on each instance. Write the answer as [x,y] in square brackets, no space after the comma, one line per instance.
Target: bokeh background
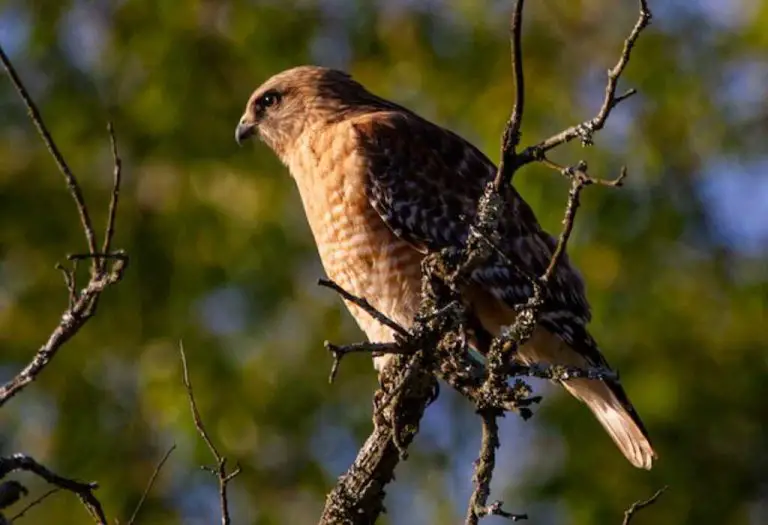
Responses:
[223,260]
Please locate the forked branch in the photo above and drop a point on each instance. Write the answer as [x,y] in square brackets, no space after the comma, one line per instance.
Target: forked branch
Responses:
[106,266]
[220,469]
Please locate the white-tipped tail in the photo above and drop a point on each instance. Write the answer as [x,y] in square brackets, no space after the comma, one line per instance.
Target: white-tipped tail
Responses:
[608,401]
[617,420]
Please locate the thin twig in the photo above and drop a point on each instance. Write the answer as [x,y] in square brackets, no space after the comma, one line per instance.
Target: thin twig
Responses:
[220,471]
[579,180]
[570,215]
[639,505]
[70,281]
[365,305]
[151,483]
[42,129]
[375,349]
[511,136]
[83,490]
[117,171]
[118,256]
[516,30]
[586,129]
[35,503]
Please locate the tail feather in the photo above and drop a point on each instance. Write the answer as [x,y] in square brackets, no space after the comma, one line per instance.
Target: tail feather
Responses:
[618,418]
[607,400]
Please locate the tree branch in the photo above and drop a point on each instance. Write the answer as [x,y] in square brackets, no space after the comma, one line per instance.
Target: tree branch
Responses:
[35,503]
[220,470]
[151,482]
[579,180]
[586,129]
[70,323]
[42,129]
[81,305]
[83,490]
[365,305]
[484,467]
[116,182]
[359,494]
[640,505]
[511,136]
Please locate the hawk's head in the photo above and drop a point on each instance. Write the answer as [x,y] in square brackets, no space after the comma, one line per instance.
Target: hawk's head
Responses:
[287,104]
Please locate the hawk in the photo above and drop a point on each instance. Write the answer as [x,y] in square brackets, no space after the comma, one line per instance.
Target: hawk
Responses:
[383,187]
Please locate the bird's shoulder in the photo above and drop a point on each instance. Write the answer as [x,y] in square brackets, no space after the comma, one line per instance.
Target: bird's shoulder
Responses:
[426,181]
[402,137]
[423,180]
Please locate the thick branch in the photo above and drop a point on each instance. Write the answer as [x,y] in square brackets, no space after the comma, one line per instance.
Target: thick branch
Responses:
[358,495]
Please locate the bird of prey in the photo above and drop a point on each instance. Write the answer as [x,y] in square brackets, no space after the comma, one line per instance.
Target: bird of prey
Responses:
[382,187]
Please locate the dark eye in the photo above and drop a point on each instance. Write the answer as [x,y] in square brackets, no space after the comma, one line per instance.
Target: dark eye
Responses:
[270,98]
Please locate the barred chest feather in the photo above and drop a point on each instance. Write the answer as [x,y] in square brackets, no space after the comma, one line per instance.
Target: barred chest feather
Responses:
[356,247]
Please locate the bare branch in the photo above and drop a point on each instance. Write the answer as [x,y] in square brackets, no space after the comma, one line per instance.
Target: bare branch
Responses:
[516,30]
[451,364]
[511,136]
[562,372]
[586,129]
[42,129]
[220,470]
[151,482]
[640,505]
[579,180]
[81,305]
[490,210]
[70,323]
[484,467]
[375,349]
[83,490]
[109,232]
[35,503]
[365,305]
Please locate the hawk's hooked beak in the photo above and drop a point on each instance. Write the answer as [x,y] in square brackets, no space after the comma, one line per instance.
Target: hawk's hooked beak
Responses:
[244,130]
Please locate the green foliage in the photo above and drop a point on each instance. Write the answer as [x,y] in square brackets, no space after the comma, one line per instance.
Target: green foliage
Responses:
[221,257]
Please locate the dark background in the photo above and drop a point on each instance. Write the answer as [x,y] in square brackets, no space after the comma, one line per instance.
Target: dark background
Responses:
[222,258]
